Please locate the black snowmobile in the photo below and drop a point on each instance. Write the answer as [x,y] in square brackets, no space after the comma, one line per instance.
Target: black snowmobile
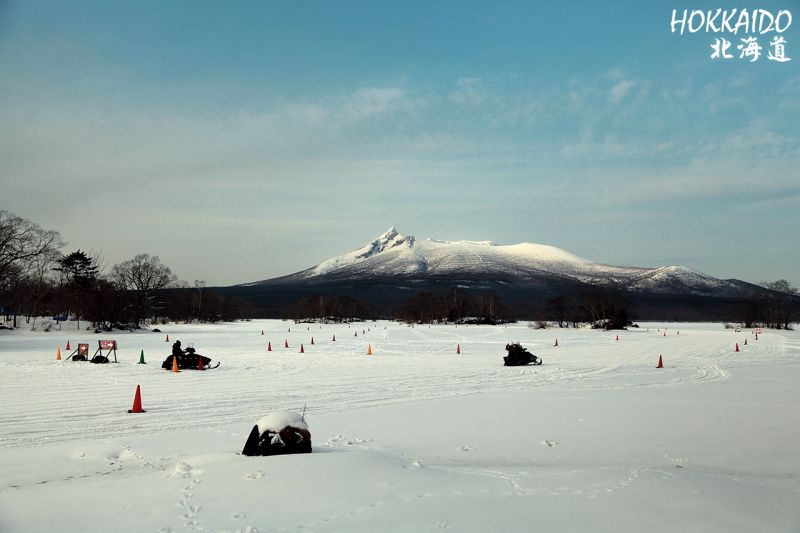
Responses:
[189,360]
[519,356]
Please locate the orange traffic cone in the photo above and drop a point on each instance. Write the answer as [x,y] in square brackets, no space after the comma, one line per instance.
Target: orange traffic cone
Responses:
[458,349]
[737,346]
[58,354]
[167,339]
[369,349]
[301,348]
[200,362]
[286,343]
[269,346]
[137,402]
[556,344]
[175,364]
[660,362]
[67,346]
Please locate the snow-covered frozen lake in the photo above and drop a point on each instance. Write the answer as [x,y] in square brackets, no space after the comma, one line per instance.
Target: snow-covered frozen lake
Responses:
[412,438]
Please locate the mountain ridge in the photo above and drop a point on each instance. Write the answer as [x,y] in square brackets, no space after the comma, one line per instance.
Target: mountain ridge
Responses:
[393,255]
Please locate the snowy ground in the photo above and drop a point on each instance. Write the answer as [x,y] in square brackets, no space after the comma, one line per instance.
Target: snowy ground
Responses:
[412,438]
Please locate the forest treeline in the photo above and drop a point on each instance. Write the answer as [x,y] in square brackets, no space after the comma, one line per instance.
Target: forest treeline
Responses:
[595,307]
[38,278]
[423,307]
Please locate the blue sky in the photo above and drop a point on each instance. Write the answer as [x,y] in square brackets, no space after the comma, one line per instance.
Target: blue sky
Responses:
[245,140]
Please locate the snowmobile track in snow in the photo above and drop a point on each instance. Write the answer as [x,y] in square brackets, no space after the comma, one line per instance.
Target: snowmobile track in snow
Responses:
[46,401]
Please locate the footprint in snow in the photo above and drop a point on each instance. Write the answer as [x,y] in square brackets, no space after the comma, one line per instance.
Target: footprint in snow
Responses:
[549,443]
[254,475]
[184,470]
[465,448]
[349,441]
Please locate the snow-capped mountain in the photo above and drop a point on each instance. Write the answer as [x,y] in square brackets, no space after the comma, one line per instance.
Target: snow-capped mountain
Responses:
[396,256]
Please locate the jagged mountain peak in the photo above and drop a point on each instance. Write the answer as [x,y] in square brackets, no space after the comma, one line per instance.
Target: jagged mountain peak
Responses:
[390,239]
[390,233]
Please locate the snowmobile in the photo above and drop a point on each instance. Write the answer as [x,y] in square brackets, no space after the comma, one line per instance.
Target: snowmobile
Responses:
[189,360]
[519,356]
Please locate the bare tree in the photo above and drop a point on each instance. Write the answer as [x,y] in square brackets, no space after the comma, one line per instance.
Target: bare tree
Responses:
[40,283]
[605,309]
[487,305]
[26,251]
[425,307]
[21,243]
[197,297]
[144,276]
[557,309]
[781,304]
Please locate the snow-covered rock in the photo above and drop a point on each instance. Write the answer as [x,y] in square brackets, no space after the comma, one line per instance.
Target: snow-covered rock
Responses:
[281,432]
[280,419]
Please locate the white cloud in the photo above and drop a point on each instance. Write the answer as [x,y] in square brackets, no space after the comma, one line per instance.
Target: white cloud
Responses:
[312,114]
[620,89]
[468,92]
[282,161]
[372,101]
